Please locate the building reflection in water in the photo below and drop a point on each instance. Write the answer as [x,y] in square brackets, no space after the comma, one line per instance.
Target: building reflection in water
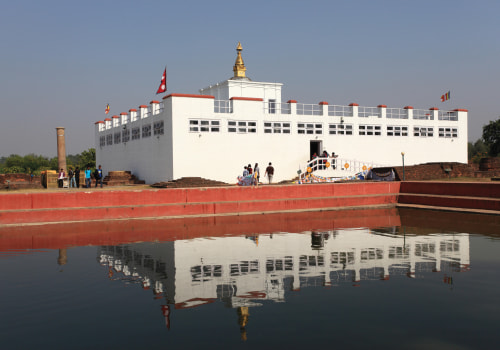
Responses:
[243,271]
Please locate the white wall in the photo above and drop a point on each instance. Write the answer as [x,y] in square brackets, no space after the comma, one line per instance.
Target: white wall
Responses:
[221,156]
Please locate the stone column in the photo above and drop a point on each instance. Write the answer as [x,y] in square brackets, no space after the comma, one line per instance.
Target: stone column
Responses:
[61,150]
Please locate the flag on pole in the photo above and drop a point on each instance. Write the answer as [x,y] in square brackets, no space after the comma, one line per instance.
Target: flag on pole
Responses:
[163,84]
[107,109]
[445,97]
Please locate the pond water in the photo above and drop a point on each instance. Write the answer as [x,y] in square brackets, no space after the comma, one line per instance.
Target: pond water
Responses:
[333,285]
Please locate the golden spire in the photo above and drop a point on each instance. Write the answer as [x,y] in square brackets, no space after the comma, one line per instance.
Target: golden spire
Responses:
[239,67]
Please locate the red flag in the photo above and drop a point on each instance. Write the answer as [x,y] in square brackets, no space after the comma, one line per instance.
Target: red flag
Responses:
[163,84]
[107,109]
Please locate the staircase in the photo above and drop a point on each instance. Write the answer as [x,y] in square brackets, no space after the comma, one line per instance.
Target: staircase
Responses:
[121,178]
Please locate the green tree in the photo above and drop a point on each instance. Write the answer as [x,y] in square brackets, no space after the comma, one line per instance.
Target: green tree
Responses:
[477,150]
[491,137]
[87,158]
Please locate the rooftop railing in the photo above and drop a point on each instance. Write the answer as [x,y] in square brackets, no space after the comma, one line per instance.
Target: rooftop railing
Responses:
[446,115]
[223,106]
[308,109]
[396,113]
[423,114]
[339,111]
[364,112]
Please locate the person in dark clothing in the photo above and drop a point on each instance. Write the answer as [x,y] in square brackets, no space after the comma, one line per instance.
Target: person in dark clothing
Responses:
[77,177]
[269,172]
[98,176]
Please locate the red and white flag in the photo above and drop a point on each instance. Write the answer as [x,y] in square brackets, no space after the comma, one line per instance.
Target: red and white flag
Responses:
[163,84]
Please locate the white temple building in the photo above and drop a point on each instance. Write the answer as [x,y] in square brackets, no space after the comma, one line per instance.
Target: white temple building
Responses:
[237,122]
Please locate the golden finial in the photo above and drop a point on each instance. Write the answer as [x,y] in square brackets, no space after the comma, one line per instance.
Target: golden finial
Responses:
[239,67]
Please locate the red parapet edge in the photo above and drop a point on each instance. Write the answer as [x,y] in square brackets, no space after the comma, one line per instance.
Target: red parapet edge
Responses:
[115,116]
[107,119]
[291,101]
[153,102]
[189,95]
[143,106]
[323,103]
[132,110]
[99,122]
[433,109]
[353,104]
[408,107]
[123,113]
[460,110]
[246,98]
[382,106]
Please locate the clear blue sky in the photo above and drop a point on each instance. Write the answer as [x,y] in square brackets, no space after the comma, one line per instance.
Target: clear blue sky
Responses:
[62,61]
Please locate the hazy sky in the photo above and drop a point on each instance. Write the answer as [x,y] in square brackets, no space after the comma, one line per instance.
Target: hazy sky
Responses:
[63,61]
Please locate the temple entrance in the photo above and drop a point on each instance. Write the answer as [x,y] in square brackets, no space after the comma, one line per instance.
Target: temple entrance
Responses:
[315,147]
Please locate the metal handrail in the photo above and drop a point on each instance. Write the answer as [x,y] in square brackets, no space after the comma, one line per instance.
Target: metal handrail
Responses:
[350,166]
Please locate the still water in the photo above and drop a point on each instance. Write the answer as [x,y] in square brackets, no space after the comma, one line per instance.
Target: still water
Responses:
[409,285]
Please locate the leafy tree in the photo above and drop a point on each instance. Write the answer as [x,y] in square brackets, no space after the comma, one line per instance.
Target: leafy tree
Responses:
[14,160]
[87,158]
[35,163]
[477,150]
[491,137]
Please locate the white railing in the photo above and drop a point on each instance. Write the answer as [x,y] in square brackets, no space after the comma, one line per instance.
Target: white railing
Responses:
[277,108]
[445,115]
[364,112]
[339,111]
[339,165]
[396,113]
[309,109]
[423,114]
[223,106]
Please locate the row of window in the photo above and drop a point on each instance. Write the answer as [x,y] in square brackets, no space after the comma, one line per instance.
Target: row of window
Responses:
[137,133]
[250,127]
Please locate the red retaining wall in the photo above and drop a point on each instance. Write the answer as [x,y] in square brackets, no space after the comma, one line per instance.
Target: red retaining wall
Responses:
[469,189]
[66,205]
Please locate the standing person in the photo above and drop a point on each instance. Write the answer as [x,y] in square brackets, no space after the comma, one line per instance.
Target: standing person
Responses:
[71,175]
[88,181]
[269,172]
[61,177]
[249,168]
[77,177]
[256,171]
[98,176]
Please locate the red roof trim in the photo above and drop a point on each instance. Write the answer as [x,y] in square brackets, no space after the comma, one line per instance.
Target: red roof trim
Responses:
[353,104]
[246,99]
[323,103]
[433,109]
[99,122]
[189,95]
[408,107]
[382,106]
[143,106]
[291,101]
[123,113]
[132,110]
[153,102]
[107,119]
[115,116]
[460,110]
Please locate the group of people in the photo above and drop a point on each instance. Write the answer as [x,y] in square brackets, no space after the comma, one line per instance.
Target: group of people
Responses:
[251,176]
[74,177]
[320,164]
